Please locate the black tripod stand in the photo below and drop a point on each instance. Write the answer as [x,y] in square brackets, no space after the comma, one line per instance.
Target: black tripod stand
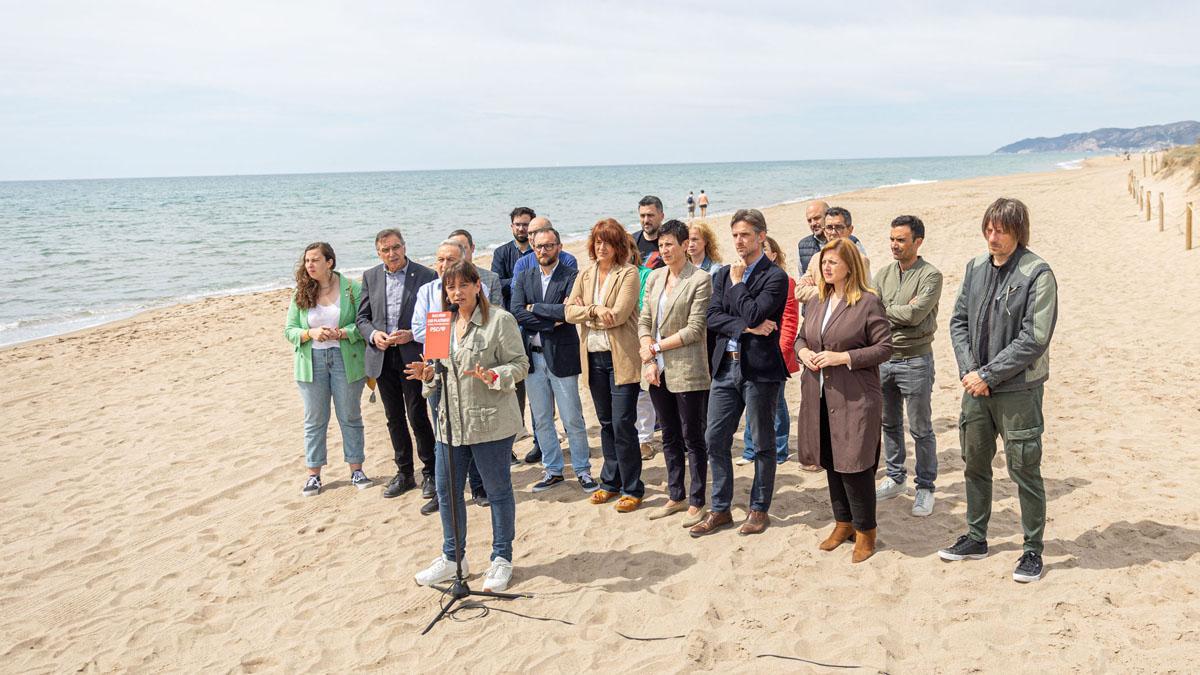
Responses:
[458,589]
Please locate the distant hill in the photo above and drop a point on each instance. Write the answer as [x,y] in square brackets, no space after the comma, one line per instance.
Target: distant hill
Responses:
[1156,137]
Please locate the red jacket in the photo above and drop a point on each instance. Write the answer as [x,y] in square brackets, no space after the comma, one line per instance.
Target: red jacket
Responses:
[787,332]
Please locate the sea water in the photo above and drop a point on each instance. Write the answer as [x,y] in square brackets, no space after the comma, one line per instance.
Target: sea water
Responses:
[88,251]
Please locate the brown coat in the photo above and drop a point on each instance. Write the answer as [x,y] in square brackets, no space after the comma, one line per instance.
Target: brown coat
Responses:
[622,298]
[853,395]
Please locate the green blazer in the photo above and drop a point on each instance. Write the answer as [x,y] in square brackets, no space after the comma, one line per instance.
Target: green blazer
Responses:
[352,347]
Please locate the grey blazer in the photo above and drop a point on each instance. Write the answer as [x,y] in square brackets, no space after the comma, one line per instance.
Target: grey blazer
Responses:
[372,311]
[686,368]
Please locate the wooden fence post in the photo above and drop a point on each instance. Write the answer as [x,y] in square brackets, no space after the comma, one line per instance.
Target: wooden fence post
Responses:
[1143,165]
[1160,211]
[1148,195]
[1187,229]
[1139,197]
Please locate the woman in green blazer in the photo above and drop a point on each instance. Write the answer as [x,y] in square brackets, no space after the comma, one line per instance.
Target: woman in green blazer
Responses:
[328,361]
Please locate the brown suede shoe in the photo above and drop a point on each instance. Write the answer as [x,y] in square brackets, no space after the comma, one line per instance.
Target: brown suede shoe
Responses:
[864,545]
[756,523]
[841,532]
[715,520]
[601,496]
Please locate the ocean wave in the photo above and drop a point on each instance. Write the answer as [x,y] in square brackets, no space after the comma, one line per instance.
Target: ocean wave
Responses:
[1070,165]
[910,181]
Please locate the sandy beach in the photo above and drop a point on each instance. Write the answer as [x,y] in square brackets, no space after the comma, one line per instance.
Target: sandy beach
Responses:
[152,518]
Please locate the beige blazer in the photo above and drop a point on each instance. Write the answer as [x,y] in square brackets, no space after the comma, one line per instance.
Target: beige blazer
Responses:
[622,298]
[685,313]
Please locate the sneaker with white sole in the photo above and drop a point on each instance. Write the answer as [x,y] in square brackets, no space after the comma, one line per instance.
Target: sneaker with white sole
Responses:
[889,488]
[312,486]
[742,461]
[1029,568]
[923,504]
[439,571]
[548,481]
[498,576]
[965,548]
[359,480]
[588,483]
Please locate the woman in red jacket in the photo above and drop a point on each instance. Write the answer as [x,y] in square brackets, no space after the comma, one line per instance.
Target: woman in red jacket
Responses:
[787,337]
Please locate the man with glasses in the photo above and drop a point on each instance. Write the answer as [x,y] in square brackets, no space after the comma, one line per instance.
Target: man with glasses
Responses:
[838,225]
[553,348]
[385,316]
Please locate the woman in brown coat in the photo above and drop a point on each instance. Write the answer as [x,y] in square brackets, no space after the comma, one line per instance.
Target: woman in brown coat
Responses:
[604,303]
[845,337]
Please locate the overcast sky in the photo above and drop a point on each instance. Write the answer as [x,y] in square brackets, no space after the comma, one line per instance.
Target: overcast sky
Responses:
[117,88]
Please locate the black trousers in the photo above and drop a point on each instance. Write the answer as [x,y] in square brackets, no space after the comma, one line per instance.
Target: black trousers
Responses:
[616,410]
[405,407]
[683,417]
[852,494]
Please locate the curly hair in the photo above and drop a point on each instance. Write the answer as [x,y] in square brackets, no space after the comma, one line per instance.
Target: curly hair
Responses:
[612,233]
[711,248]
[308,288]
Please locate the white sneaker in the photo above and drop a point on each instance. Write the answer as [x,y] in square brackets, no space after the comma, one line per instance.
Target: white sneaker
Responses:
[742,461]
[888,489]
[923,505]
[498,576]
[440,570]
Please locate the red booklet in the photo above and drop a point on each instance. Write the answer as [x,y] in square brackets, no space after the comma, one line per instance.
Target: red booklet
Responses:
[437,335]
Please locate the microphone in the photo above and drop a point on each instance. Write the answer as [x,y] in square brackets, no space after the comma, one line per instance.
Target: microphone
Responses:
[452,308]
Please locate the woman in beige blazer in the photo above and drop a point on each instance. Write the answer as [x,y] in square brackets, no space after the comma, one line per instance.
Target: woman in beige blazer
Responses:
[672,329]
[604,304]
[846,335]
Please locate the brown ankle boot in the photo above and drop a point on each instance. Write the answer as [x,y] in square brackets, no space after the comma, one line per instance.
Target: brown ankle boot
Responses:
[864,545]
[841,532]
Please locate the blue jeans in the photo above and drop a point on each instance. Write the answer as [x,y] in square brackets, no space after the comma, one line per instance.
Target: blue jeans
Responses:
[491,459]
[728,397]
[545,391]
[909,382]
[783,427]
[329,380]
[616,410]
[472,472]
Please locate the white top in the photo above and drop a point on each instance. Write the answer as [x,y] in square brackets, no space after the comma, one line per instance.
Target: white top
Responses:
[598,337]
[327,316]
[824,323]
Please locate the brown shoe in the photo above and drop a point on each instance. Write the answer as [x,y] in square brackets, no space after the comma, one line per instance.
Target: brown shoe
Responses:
[841,532]
[756,523]
[715,520]
[812,468]
[864,545]
[648,451]
[601,496]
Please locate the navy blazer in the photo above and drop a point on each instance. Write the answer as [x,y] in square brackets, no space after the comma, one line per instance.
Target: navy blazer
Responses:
[734,308]
[372,311]
[537,314]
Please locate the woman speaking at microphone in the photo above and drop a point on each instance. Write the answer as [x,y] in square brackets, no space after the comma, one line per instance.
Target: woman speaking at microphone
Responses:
[486,362]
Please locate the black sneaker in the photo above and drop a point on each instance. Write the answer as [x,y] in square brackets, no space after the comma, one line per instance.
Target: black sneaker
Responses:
[1029,568]
[312,486]
[429,507]
[359,480]
[965,548]
[588,483]
[428,488]
[514,461]
[481,499]
[399,484]
[548,481]
[533,456]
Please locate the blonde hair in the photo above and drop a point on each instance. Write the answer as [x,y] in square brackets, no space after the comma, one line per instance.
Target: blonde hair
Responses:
[711,249]
[780,258]
[856,283]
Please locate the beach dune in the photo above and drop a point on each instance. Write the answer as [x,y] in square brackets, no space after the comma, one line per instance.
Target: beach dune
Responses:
[152,518]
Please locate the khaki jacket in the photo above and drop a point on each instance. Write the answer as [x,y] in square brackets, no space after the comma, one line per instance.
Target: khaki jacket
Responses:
[686,368]
[488,413]
[622,298]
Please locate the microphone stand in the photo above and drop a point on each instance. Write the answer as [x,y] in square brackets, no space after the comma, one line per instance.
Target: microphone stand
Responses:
[458,589]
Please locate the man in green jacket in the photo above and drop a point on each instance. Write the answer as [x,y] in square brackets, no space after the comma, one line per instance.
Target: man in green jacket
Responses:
[910,288]
[1001,328]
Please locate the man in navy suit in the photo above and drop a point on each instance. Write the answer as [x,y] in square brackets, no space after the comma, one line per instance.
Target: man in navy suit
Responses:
[748,371]
[389,291]
[554,366]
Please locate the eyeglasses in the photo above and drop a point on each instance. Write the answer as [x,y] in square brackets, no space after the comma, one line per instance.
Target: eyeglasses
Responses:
[544,247]
[836,228]
[391,249]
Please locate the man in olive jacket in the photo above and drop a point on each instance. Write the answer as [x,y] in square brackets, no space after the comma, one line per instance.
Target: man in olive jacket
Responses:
[1001,328]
